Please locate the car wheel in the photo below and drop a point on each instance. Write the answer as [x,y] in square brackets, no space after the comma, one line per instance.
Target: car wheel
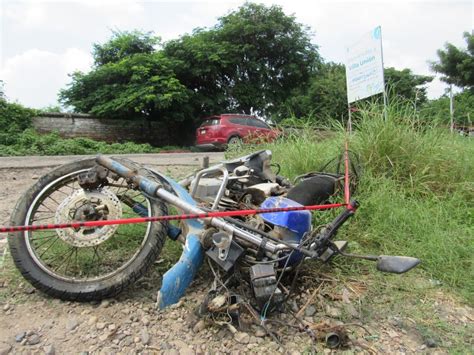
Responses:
[234,140]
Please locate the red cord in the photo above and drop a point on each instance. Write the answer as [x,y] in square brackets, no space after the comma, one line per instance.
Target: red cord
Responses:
[166,218]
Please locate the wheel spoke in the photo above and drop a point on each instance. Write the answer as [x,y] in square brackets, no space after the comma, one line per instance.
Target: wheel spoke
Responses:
[59,257]
[73,255]
[54,242]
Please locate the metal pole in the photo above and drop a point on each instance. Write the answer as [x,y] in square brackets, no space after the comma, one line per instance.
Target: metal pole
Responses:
[385,99]
[451,107]
[349,122]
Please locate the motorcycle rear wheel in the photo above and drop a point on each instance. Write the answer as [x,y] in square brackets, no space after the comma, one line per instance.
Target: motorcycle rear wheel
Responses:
[85,264]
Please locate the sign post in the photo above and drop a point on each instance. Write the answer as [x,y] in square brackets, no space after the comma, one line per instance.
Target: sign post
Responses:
[364,69]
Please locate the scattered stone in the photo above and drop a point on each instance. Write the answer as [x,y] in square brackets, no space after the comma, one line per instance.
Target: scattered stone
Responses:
[431,343]
[310,311]
[30,290]
[242,338]
[121,336]
[105,303]
[112,327]
[49,350]
[145,321]
[34,339]
[6,307]
[126,342]
[35,177]
[199,326]
[182,347]
[92,320]
[177,305]
[104,337]
[72,324]
[20,336]
[100,325]
[136,340]
[145,336]
[333,312]
[260,333]
[253,340]
[5,348]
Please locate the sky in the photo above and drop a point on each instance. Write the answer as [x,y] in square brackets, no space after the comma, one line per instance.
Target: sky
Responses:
[41,42]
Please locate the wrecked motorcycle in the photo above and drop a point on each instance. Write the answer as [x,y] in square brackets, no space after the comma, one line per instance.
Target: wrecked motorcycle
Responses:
[239,214]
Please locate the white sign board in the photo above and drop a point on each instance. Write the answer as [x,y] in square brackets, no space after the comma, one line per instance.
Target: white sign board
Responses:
[364,67]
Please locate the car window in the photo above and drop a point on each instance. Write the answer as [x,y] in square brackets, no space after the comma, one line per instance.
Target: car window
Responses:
[210,122]
[239,120]
[258,123]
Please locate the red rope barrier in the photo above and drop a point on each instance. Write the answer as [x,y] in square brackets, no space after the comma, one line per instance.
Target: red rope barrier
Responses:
[166,218]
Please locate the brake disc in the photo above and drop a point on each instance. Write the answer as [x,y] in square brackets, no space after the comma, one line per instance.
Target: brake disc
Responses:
[82,206]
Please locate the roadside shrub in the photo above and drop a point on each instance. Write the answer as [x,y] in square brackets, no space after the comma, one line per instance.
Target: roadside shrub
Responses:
[14,119]
[29,142]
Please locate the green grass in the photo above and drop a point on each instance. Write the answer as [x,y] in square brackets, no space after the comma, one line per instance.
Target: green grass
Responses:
[416,190]
[29,142]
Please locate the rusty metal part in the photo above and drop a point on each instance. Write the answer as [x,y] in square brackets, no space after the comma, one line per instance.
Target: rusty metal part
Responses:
[93,178]
[85,205]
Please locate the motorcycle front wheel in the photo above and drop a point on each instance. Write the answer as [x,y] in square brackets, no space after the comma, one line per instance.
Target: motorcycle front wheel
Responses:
[85,264]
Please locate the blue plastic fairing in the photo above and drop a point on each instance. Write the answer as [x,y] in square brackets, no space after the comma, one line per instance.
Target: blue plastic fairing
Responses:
[299,222]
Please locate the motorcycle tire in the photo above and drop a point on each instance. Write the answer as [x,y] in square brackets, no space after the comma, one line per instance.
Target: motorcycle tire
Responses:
[59,284]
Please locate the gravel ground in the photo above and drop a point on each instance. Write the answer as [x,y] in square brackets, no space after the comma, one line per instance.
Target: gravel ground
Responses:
[32,323]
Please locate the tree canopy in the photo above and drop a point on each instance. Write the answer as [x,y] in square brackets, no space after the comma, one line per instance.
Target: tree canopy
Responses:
[406,84]
[138,85]
[123,45]
[457,64]
[254,57]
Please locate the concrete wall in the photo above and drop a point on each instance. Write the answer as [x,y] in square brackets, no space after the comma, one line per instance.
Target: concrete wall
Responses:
[113,130]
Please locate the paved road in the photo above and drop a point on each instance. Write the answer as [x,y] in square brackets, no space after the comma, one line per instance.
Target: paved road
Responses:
[161,159]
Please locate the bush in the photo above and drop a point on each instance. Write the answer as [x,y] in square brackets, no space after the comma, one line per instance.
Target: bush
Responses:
[14,119]
[31,143]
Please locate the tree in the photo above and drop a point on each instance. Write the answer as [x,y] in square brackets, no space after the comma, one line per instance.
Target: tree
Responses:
[456,64]
[438,110]
[406,84]
[325,97]
[122,45]
[254,57]
[129,79]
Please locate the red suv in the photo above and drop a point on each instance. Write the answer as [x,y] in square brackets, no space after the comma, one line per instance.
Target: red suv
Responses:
[218,131]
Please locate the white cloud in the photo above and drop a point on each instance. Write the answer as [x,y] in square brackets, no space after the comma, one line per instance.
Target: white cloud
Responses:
[35,77]
[43,40]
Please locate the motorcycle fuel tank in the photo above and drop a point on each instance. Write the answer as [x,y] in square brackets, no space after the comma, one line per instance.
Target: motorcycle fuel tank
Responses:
[297,222]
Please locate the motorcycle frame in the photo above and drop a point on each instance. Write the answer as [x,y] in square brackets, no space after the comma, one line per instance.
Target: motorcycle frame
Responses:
[177,279]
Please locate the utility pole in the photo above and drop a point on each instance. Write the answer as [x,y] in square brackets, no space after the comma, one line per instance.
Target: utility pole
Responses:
[451,106]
